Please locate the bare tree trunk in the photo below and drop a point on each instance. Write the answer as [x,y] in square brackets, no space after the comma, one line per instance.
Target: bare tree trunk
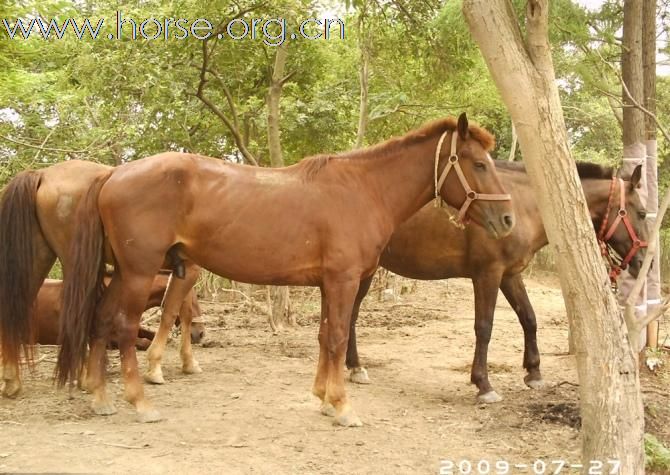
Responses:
[363,75]
[649,81]
[611,403]
[515,139]
[279,296]
[363,115]
[634,148]
[274,95]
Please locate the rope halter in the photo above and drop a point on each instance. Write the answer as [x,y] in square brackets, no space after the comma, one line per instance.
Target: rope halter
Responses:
[605,234]
[453,163]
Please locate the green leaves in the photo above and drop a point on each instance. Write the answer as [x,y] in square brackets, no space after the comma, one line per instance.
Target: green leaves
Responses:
[126,99]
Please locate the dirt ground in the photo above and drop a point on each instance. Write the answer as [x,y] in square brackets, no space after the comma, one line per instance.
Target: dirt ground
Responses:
[251,410]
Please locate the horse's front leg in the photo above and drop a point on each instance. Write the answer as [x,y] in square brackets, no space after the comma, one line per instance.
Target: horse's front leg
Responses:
[338,299]
[486,293]
[514,291]
[174,303]
[357,374]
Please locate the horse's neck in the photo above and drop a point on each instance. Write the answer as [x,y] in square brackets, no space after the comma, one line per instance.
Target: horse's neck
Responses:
[528,216]
[596,192]
[404,179]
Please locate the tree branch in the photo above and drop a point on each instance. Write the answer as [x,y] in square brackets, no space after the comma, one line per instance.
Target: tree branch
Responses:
[231,124]
[44,142]
[634,102]
[47,149]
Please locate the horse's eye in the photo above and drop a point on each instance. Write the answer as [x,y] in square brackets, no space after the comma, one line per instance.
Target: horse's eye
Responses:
[480,165]
[642,214]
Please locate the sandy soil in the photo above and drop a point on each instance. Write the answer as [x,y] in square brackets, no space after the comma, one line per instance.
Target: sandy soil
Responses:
[251,410]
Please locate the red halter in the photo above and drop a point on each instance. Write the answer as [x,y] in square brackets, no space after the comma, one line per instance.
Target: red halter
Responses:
[604,234]
[470,194]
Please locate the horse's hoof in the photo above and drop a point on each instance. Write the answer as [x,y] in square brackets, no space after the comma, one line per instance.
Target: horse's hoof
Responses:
[154,377]
[193,368]
[327,409]
[149,415]
[359,376]
[347,418]
[534,383]
[12,389]
[84,385]
[103,408]
[489,398]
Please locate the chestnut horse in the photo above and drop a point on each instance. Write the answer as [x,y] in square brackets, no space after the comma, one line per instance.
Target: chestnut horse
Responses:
[429,247]
[50,301]
[322,222]
[36,226]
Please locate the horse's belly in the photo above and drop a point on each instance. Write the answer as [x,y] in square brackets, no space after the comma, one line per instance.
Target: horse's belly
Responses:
[260,262]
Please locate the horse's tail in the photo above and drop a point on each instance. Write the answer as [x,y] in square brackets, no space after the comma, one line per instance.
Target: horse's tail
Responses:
[19,228]
[82,285]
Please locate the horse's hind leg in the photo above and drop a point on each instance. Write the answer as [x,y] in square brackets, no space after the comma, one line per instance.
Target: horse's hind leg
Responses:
[514,291]
[133,294]
[94,379]
[44,260]
[358,374]
[177,300]
[339,300]
[486,294]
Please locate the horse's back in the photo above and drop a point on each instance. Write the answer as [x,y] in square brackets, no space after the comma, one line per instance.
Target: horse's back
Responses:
[61,187]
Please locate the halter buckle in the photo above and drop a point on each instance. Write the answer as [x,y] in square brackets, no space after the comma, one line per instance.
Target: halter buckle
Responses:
[623,212]
[453,158]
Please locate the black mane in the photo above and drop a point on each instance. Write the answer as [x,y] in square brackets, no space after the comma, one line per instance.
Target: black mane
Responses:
[585,169]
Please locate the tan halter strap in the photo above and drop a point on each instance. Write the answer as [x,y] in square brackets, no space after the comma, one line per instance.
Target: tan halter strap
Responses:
[453,162]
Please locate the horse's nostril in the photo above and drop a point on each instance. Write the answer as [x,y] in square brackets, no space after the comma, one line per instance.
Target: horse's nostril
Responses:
[508,220]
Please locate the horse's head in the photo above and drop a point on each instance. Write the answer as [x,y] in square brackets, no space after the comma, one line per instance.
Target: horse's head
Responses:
[623,241]
[468,180]
[623,223]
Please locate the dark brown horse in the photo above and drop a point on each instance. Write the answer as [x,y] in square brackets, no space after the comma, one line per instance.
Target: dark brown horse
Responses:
[428,247]
[322,222]
[36,226]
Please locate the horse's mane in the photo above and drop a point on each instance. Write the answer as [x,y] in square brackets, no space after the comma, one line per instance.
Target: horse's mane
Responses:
[584,169]
[310,166]
[593,170]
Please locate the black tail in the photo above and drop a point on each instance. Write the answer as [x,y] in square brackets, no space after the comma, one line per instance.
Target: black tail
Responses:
[19,231]
[82,285]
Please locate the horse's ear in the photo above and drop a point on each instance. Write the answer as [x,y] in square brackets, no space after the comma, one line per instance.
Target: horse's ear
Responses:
[635,177]
[463,126]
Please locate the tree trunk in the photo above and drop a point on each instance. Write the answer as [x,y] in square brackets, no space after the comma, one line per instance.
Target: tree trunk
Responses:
[274,95]
[634,148]
[649,81]
[363,115]
[611,403]
[363,75]
[278,296]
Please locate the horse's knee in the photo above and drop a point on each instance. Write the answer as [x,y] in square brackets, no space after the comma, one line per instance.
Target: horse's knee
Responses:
[483,330]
